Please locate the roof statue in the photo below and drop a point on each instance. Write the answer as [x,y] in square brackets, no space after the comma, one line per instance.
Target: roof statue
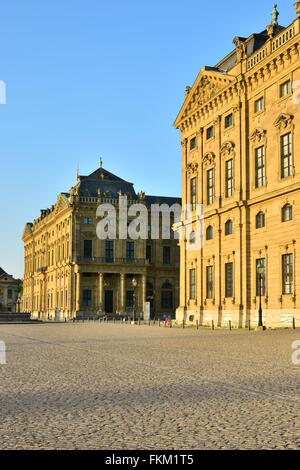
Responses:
[275,14]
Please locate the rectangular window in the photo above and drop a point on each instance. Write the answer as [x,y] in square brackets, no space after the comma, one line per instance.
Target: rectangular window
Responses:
[228,280]
[285,89]
[88,221]
[193,143]
[130,251]
[260,282]
[210,186]
[88,248]
[260,167]
[109,251]
[149,253]
[228,120]
[209,282]
[166,255]
[286,155]
[259,105]
[192,284]
[129,299]
[194,193]
[229,182]
[9,294]
[210,132]
[287,274]
[87,298]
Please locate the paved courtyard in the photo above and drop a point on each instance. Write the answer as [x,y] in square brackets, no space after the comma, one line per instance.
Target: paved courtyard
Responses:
[91,386]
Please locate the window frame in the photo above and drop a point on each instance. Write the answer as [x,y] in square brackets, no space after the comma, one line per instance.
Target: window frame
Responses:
[260,166]
[229,282]
[192,289]
[286,157]
[287,274]
[209,282]
[229,178]
[210,186]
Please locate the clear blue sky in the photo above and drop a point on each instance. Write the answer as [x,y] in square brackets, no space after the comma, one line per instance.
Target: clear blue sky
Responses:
[92,77]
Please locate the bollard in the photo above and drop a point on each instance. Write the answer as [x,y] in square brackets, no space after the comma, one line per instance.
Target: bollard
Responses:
[182,324]
[249,325]
[294,323]
[139,322]
[114,321]
[230,325]
[212,325]
[197,325]
[158,323]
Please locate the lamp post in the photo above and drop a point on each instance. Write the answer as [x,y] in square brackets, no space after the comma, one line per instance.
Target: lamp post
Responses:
[134,284]
[260,271]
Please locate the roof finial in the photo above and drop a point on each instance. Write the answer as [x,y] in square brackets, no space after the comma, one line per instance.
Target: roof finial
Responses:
[275,14]
[77,175]
[100,162]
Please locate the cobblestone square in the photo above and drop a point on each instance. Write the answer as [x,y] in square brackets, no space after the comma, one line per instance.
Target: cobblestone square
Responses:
[92,386]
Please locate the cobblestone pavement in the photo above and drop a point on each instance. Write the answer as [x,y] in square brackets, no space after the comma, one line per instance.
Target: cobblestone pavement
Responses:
[92,386]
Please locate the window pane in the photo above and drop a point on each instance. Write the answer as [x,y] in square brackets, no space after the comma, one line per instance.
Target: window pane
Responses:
[286,155]
[260,167]
[229,280]
[229,183]
[209,282]
[194,193]
[210,186]
[287,274]
[192,284]
[88,248]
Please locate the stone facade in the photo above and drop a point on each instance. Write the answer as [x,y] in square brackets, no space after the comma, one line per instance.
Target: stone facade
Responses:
[240,136]
[70,271]
[9,293]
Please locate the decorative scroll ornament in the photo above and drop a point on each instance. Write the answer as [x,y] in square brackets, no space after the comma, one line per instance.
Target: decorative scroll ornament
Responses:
[227,149]
[258,135]
[284,121]
[192,168]
[209,159]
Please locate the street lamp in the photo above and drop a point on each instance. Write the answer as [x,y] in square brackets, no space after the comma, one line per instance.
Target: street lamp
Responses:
[134,284]
[261,272]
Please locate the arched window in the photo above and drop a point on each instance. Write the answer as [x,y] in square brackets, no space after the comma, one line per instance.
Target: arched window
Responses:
[287,213]
[229,227]
[167,295]
[260,220]
[209,233]
[150,291]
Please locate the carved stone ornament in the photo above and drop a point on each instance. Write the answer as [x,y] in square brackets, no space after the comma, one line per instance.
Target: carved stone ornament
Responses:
[284,121]
[207,90]
[240,48]
[227,149]
[297,8]
[258,135]
[141,196]
[209,159]
[192,168]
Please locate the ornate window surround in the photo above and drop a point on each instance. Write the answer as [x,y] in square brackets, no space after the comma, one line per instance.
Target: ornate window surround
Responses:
[228,153]
[285,124]
[258,138]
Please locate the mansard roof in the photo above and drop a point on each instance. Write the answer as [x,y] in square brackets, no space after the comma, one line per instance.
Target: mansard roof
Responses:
[106,182]
[252,43]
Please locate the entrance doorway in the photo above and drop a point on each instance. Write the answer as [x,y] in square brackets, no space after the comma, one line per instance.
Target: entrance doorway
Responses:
[109,301]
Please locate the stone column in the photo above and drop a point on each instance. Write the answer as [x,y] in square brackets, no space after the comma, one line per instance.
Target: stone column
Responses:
[122,293]
[78,292]
[101,279]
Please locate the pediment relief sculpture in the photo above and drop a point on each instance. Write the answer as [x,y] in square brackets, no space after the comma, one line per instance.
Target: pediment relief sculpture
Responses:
[192,168]
[209,159]
[284,121]
[227,149]
[258,135]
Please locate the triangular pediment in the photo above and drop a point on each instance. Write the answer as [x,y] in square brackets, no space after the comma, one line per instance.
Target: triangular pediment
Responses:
[27,230]
[208,84]
[62,203]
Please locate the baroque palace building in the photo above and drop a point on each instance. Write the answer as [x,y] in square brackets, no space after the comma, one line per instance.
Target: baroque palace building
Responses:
[240,136]
[71,272]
